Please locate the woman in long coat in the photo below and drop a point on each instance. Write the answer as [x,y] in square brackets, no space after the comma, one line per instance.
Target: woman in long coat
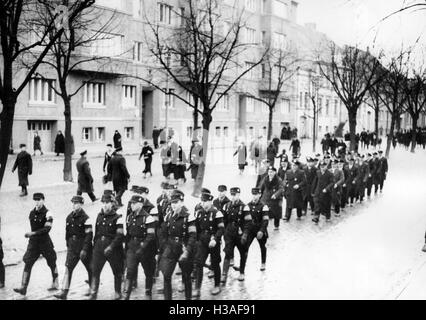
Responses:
[59,143]
[242,156]
[271,153]
[117,139]
[181,166]
[272,195]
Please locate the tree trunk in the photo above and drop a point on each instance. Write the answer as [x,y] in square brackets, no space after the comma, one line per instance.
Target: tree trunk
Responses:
[271,114]
[68,140]
[314,131]
[390,136]
[6,125]
[352,129]
[199,180]
[195,117]
[414,134]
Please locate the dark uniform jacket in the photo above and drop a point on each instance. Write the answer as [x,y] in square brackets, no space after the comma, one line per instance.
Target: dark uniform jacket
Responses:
[351,181]
[363,173]
[310,174]
[260,217]
[220,204]
[323,181]
[271,188]
[383,168]
[107,224]
[293,196]
[338,181]
[24,163]
[118,171]
[237,217]
[77,223]
[209,224]
[85,179]
[137,224]
[178,231]
[38,219]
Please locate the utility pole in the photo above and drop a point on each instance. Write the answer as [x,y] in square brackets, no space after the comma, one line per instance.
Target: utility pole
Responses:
[167,96]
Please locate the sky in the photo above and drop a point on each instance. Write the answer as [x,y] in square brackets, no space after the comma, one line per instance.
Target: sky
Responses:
[357,22]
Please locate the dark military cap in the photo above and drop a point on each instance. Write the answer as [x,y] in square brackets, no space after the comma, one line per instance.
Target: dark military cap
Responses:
[235,190]
[164,185]
[369,154]
[375,154]
[108,192]
[380,151]
[38,195]
[118,149]
[256,191]
[309,159]
[171,186]
[335,161]
[206,197]
[143,190]
[351,159]
[83,153]
[136,199]
[222,188]
[205,190]
[341,161]
[22,145]
[109,145]
[177,196]
[296,162]
[134,188]
[107,198]
[272,168]
[78,199]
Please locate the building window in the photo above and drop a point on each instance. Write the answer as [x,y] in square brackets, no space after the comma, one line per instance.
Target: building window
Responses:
[129,133]
[251,5]
[129,96]
[223,104]
[250,35]
[263,68]
[250,74]
[137,9]
[87,135]
[94,93]
[225,132]
[306,100]
[285,106]
[137,51]
[100,134]
[189,132]
[263,6]
[250,104]
[263,40]
[170,97]
[327,107]
[164,13]
[181,17]
[41,90]
[218,132]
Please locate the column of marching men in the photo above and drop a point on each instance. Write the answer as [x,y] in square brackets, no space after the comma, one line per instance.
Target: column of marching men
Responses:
[169,234]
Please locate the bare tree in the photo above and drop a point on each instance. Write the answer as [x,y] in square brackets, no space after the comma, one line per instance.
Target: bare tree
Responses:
[208,60]
[313,94]
[414,90]
[374,101]
[279,67]
[72,50]
[351,72]
[16,26]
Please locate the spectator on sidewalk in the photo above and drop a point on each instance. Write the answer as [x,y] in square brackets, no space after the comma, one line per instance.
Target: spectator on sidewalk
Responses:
[180,167]
[146,153]
[117,140]
[24,163]
[107,157]
[295,146]
[2,273]
[117,169]
[271,153]
[85,179]
[155,136]
[262,171]
[59,143]
[37,143]
[196,156]
[242,156]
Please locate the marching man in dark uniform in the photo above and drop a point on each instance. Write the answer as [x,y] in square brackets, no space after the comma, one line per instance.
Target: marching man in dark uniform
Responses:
[24,163]
[141,244]
[376,172]
[363,173]
[181,234]
[272,194]
[339,180]
[209,223]
[221,199]
[351,181]
[259,230]
[322,192]
[85,179]
[294,187]
[383,169]
[371,169]
[39,243]
[78,237]
[238,225]
[108,246]
[310,173]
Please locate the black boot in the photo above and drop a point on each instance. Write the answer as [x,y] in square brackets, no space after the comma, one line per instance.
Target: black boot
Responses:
[24,285]
[117,287]
[226,265]
[167,289]
[94,288]
[127,289]
[65,286]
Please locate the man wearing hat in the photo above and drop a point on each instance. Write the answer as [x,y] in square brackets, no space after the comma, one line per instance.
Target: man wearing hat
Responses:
[294,188]
[363,173]
[107,157]
[117,169]
[238,224]
[141,243]
[165,159]
[310,174]
[322,192]
[272,194]
[351,181]
[24,163]
[85,179]
[343,166]
[221,199]
[195,157]
[209,223]
[260,219]
[339,180]
[108,246]
[39,243]
[181,239]
[371,170]
[78,238]
[147,154]
[383,170]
